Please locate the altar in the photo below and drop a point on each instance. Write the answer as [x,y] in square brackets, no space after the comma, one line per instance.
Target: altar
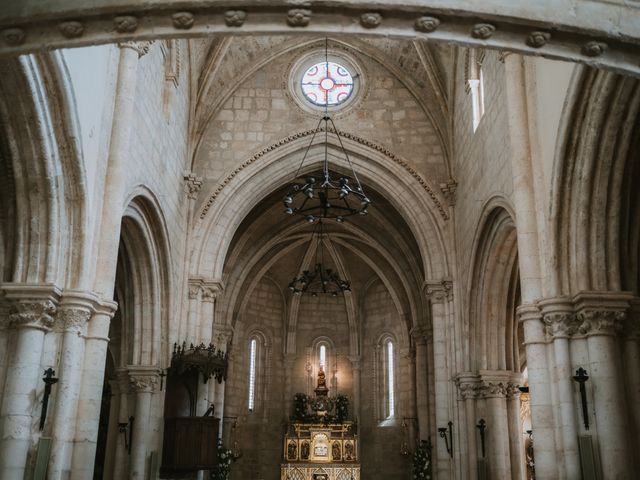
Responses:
[320,443]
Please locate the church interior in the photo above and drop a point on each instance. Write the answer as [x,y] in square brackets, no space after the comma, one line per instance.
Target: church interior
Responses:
[319,241]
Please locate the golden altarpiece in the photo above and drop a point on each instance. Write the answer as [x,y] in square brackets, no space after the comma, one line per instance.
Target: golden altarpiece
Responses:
[320,443]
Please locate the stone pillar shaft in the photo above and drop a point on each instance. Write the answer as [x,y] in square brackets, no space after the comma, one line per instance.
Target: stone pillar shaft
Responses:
[32,311]
[75,310]
[90,397]
[422,392]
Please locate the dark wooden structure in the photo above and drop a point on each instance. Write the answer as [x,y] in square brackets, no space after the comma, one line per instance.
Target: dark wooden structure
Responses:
[190,444]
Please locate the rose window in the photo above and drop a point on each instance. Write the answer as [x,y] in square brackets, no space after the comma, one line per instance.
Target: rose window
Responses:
[327,84]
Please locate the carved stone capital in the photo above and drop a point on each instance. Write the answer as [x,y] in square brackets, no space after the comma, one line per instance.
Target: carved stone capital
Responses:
[419,335]
[194,290]
[222,336]
[143,379]
[210,291]
[528,312]
[141,48]
[73,319]
[32,314]
[468,386]
[439,292]
[561,325]
[192,185]
[601,322]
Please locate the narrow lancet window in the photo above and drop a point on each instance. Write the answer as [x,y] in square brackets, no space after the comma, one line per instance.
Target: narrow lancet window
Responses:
[252,374]
[390,378]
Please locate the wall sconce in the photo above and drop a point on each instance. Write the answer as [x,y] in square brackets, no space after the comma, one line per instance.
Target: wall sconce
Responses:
[443,434]
[127,430]
[482,426]
[581,377]
[48,380]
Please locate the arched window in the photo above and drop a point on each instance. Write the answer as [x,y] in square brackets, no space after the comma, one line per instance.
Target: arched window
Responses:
[391,409]
[322,357]
[253,347]
[386,379]
[475,83]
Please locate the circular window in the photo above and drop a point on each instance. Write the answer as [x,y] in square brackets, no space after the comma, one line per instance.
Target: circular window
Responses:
[327,83]
[323,80]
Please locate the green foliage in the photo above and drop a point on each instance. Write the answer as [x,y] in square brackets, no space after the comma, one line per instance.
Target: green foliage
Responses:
[223,470]
[422,466]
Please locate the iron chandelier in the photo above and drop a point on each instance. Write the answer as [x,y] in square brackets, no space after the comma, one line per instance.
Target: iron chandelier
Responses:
[322,196]
[320,280]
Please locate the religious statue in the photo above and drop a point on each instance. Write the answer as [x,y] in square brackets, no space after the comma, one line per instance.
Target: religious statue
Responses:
[304,451]
[335,451]
[348,451]
[322,381]
[292,451]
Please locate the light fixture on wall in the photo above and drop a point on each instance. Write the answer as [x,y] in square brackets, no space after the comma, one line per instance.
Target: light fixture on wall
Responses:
[320,280]
[323,196]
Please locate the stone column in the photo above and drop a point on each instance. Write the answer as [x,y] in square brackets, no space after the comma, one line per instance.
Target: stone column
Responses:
[31,314]
[540,391]
[117,166]
[422,390]
[210,291]
[222,335]
[193,314]
[90,397]
[355,367]
[75,309]
[468,386]
[437,296]
[289,361]
[602,317]
[561,324]
[631,368]
[122,457]
[516,445]
[143,382]
[112,432]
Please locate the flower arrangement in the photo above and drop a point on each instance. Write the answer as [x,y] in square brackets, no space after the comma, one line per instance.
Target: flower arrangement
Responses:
[342,408]
[422,467]
[223,470]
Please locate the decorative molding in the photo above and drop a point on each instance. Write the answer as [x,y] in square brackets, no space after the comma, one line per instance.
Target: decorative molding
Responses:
[370,20]
[298,17]
[438,292]
[426,24]
[125,23]
[285,141]
[183,20]
[483,31]
[235,18]
[210,293]
[594,49]
[538,39]
[487,384]
[449,191]
[14,36]
[71,29]
[192,185]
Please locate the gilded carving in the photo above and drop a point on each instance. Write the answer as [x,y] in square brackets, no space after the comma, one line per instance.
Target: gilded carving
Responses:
[125,23]
[13,36]
[482,31]
[71,29]
[370,20]
[538,39]
[298,17]
[235,18]
[183,20]
[426,24]
[594,49]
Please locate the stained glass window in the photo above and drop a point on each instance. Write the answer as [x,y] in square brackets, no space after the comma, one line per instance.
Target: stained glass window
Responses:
[390,379]
[327,83]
